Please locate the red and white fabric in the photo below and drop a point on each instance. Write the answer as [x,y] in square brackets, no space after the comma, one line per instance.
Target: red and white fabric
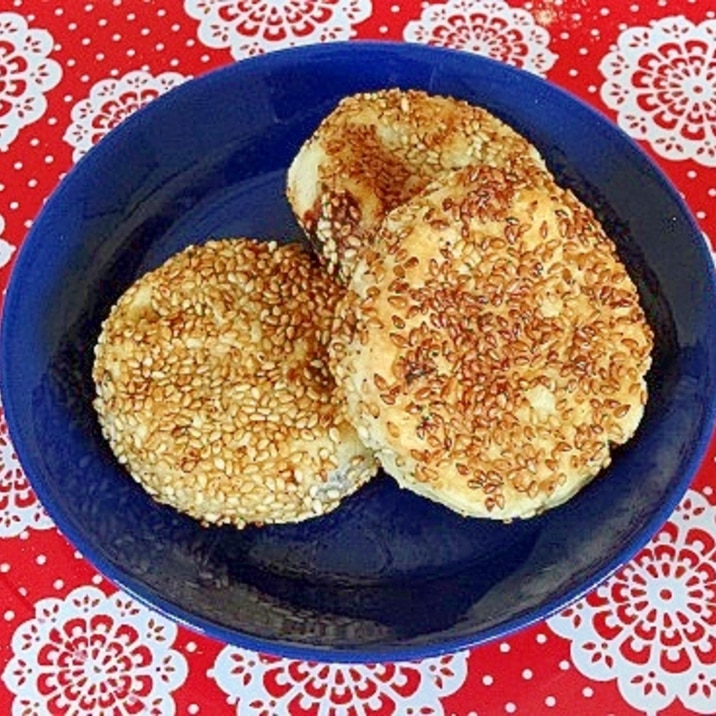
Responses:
[644,642]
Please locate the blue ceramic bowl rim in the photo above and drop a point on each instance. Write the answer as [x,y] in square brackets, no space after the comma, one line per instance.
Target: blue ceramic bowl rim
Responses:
[276,59]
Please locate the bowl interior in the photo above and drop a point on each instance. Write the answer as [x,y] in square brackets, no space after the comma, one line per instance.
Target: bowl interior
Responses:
[389,574]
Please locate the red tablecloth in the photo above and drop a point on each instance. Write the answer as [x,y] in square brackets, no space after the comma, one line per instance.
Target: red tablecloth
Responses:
[71,643]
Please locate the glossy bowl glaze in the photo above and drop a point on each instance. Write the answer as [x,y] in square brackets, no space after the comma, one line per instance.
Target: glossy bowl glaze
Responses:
[389,575]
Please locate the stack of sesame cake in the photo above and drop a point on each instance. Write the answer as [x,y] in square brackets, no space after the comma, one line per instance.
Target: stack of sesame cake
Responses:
[491,347]
[462,321]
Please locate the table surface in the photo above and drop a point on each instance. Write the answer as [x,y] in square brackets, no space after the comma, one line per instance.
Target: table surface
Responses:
[71,642]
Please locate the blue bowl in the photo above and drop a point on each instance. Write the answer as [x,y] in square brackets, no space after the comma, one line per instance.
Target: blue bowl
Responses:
[389,575]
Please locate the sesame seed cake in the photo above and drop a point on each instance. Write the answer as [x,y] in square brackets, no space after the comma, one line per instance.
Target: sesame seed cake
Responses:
[491,346]
[378,149]
[213,387]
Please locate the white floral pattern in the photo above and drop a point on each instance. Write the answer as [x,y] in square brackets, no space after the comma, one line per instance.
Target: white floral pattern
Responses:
[264,686]
[253,27]
[652,626]
[26,73]
[6,248]
[487,27]
[661,81]
[19,506]
[93,654]
[110,102]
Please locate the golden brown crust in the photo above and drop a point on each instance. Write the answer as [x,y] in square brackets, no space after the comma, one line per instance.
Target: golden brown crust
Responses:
[375,151]
[491,346]
[213,388]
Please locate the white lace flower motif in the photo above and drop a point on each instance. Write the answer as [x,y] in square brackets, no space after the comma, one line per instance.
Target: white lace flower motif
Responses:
[261,685]
[6,248]
[652,626]
[661,81]
[486,27]
[94,654]
[110,102]
[19,507]
[26,73]
[253,27]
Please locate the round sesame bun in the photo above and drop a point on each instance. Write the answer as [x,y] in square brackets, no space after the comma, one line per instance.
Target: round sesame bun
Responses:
[213,387]
[491,346]
[378,149]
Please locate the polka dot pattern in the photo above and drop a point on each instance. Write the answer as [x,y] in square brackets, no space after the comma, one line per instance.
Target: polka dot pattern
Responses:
[531,672]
